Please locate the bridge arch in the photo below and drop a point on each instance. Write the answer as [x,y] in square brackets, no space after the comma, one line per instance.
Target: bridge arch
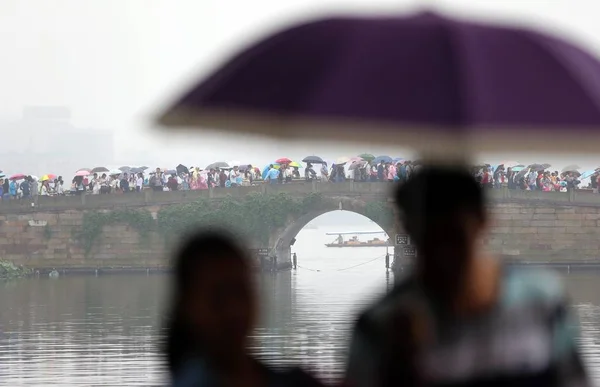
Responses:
[281,244]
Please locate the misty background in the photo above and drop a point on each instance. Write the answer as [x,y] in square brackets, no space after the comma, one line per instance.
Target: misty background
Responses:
[82,81]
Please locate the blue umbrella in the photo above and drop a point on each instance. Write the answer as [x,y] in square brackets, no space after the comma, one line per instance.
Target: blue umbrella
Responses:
[266,169]
[587,174]
[385,159]
[517,168]
[397,160]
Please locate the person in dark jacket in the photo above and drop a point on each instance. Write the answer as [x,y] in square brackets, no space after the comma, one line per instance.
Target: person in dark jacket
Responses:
[213,311]
[460,317]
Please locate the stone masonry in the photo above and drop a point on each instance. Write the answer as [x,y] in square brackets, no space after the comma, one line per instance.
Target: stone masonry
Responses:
[536,227]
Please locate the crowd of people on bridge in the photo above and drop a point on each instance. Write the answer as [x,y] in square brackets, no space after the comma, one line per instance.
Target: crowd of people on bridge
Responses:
[459,317]
[363,168]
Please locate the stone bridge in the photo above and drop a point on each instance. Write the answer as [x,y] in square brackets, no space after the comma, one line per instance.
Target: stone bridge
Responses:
[529,226]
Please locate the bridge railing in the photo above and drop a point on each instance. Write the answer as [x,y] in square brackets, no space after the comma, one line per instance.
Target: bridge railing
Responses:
[149,198]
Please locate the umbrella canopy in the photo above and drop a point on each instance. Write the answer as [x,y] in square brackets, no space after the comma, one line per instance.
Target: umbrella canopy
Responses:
[84,169]
[366,156]
[17,176]
[295,164]
[218,164]
[342,160]
[234,163]
[283,160]
[476,82]
[99,169]
[49,176]
[84,172]
[384,159]
[518,168]
[115,172]
[124,168]
[182,169]
[136,170]
[266,169]
[357,164]
[509,163]
[587,174]
[522,173]
[570,168]
[313,160]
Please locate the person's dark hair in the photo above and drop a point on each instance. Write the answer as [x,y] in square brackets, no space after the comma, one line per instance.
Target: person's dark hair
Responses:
[434,205]
[199,250]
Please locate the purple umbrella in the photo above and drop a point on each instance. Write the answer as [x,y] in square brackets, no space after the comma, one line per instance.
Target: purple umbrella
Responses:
[398,78]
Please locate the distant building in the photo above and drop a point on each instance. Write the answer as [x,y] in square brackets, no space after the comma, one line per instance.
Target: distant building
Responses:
[45,141]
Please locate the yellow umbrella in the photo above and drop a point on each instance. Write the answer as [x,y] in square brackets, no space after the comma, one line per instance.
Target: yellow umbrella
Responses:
[295,164]
[49,176]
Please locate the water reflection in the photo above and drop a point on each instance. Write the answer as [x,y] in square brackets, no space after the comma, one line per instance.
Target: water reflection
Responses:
[103,331]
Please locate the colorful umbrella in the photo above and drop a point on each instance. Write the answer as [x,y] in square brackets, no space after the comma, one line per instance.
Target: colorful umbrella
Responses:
[283,160]
[467,73]
[218,164]
[82,172]
[17,176]
[266,169]
[49,176]
[367,156]
[313,160]
[587,174]
[357,164]
[384,159]
[518,168]
[295,164]
[509,163]
[570,168]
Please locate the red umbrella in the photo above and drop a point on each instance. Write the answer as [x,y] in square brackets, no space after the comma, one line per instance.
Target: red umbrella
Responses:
[17,176]
[430,81]
[82,172]
[283,160]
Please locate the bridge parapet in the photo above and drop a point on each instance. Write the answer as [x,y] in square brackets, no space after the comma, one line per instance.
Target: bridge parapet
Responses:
[150,198]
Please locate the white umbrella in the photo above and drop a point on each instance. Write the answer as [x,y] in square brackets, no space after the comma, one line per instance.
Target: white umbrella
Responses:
[342,160]
[234,163]
[509,163]
[357,164]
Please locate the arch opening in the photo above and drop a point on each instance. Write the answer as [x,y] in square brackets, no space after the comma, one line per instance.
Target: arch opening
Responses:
[335,221]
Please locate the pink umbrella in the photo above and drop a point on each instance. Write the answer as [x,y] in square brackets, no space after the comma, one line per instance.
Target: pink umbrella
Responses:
[82,172]
[356,159]
[17,176]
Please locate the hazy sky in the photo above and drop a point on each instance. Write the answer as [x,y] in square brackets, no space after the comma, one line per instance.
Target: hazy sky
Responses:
[114,62]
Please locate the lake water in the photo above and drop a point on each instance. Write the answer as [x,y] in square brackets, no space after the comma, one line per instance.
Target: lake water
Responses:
[103,330]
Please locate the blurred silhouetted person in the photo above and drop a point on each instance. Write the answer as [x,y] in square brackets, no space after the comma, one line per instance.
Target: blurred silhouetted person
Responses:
[214,308]
[462,318]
